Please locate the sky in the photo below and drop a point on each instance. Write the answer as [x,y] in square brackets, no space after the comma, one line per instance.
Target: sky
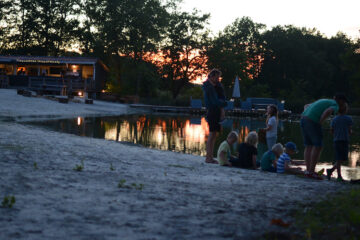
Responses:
[328,16]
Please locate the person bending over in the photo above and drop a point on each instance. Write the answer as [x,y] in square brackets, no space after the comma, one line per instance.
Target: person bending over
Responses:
[312,118]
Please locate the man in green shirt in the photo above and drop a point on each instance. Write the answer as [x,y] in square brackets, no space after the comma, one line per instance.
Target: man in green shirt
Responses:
[311,119]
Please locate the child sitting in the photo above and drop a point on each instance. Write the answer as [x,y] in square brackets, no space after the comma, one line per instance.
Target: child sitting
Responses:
[224,151]
[282,165]
[341,129]
[268,161]
[247,152]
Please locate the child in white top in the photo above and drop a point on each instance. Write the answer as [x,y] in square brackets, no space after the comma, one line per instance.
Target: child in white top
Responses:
[271,126]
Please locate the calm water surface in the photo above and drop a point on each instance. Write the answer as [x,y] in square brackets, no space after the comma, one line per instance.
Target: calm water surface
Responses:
[188,135]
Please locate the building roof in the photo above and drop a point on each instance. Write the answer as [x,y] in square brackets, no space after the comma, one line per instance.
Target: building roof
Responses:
[52,60]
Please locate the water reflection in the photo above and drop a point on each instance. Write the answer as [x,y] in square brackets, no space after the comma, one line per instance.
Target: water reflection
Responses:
[189,135]
[182,135]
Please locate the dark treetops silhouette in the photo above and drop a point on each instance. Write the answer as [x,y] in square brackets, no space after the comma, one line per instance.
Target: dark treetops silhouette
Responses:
[155,50]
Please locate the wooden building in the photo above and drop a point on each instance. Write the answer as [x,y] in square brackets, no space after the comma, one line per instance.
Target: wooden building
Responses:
[53,74]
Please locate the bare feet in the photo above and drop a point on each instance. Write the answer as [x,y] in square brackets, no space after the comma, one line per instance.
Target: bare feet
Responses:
[213,161]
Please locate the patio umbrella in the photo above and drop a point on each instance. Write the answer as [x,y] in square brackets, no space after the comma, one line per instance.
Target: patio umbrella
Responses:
[236,91]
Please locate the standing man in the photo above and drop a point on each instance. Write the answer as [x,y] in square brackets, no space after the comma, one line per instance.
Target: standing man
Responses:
[312,118]
[214,101]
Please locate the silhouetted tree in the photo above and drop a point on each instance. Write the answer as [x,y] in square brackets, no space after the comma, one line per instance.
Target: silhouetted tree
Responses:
[43,27]
[238,51]
[183,55]
[4,31]
[301,65]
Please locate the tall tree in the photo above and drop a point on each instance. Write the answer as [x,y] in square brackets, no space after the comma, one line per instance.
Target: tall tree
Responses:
[351,63]
[144,31]
[44,27]
[183,56]
[238,51]
[21,24]
[91,41]
[301,65]
[4,30]
[125,28]
[56,24]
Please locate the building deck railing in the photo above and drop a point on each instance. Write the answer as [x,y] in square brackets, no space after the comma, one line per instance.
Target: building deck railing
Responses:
[53,84]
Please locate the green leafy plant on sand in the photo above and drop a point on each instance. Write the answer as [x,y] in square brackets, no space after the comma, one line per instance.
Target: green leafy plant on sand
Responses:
[122,184]
[111,167]
[80,167]
[8,201]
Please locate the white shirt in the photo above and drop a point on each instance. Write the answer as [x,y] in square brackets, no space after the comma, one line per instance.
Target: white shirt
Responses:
[273,131]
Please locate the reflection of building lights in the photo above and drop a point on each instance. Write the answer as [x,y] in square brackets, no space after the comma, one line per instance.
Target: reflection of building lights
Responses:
[79,121]
[354,158]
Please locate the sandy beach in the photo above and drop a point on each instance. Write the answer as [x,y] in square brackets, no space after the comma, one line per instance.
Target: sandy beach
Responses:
[162,195]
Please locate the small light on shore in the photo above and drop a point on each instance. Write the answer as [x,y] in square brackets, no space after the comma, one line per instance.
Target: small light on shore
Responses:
[79,121]
[80,94]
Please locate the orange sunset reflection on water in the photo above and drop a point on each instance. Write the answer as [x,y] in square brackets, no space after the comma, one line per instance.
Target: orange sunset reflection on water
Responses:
[180,135]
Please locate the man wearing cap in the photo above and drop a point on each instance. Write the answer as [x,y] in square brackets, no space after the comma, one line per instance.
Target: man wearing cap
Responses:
[284,160]
[311,119]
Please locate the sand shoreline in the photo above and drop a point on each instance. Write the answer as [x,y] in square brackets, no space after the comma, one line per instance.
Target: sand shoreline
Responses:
[180,197]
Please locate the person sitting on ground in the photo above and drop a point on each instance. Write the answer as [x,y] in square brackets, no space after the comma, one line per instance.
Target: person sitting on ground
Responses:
[268,161]
[282,165]
[261,146]
[224,151]
[341,129]
[247,152]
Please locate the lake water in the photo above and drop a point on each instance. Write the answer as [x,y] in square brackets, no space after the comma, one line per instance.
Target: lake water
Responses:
[189,134]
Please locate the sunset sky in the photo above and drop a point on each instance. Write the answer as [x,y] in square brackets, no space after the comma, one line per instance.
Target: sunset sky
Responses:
[328,16]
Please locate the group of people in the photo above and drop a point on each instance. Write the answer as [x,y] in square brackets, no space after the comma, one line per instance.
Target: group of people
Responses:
[261,150]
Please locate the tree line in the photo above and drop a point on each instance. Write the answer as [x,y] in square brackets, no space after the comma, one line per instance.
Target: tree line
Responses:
[154,49]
